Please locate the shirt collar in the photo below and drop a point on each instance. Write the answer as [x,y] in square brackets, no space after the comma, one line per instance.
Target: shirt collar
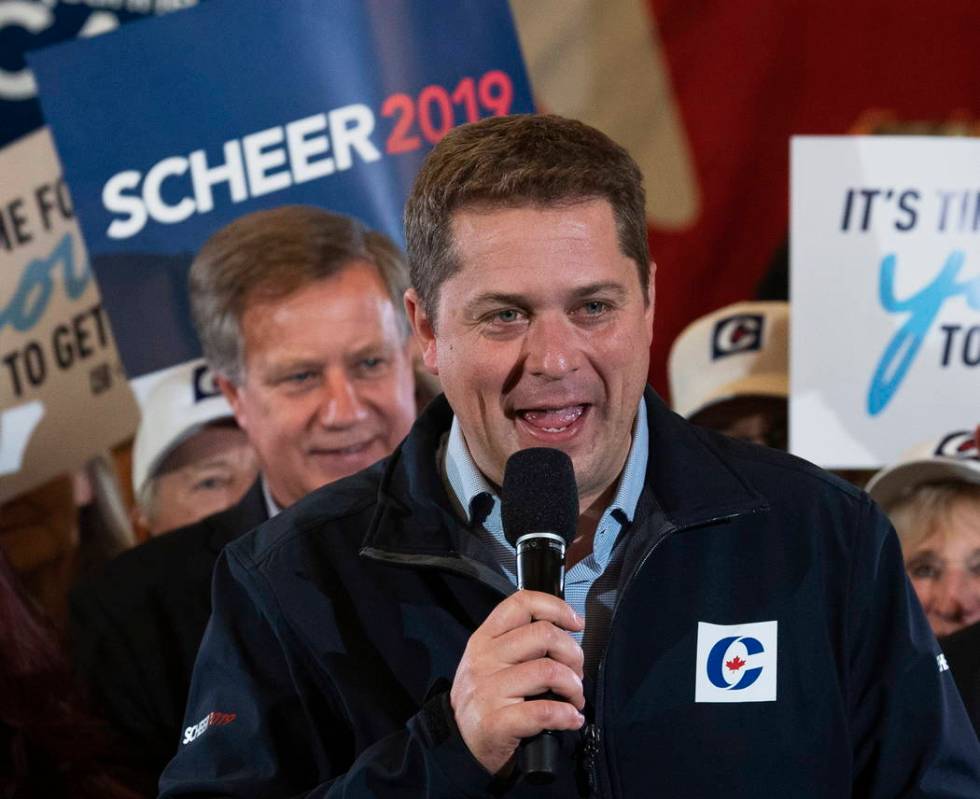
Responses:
[472,488]
[634,472]
[468,483]
[270,504]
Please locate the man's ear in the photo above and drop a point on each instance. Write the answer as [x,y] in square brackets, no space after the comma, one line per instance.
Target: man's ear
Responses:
[651,295]
[233,393]
[652,283]
[423,329]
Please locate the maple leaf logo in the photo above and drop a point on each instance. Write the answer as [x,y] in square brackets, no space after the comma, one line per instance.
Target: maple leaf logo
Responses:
[735,663]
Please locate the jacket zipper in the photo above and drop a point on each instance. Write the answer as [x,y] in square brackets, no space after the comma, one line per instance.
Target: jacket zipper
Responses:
[593,733]
[592,742]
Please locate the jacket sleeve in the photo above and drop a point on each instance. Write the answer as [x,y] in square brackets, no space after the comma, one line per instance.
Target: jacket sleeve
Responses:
[261,723]
[910,733]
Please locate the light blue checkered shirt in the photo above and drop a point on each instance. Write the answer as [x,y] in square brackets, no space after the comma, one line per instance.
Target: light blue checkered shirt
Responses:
[590,585]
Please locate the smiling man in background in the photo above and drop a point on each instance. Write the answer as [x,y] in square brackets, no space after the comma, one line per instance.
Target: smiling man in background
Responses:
[300,316]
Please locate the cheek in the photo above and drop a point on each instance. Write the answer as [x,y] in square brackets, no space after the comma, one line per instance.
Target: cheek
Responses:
[212,501]
[284,418]
[923,590]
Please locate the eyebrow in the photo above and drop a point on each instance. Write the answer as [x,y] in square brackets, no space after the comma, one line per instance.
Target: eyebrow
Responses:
[495,298]
[290,366]
[605,287]
[380,347]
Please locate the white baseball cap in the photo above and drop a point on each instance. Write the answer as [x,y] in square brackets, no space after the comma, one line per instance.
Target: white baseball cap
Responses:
[740,350]
[953,457]
[179,405]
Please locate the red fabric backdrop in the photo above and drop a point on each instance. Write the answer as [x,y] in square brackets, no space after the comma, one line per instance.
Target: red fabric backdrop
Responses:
[749,75]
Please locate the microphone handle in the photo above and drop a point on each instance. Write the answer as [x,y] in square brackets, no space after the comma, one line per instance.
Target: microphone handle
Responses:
[541,567]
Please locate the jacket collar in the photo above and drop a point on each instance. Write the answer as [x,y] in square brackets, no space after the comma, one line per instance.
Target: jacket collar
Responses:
[689,482]
[692,482]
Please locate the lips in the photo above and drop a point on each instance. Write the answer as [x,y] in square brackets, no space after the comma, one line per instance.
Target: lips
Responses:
[345,451]
[552,420]
[553,426]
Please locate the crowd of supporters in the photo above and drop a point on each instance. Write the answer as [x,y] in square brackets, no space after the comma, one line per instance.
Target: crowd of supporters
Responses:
[310,374]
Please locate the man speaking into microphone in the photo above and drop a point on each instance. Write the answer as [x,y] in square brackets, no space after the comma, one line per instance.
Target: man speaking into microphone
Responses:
[734,622]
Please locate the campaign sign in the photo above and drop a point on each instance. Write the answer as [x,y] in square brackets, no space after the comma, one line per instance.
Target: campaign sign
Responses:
[63,394]
[299,101]
[885,277]
[29,24]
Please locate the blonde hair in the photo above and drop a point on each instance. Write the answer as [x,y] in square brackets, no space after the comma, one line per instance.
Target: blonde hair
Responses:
[927,508]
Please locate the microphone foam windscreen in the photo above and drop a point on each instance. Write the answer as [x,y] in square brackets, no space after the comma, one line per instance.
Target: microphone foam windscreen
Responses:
[539,494]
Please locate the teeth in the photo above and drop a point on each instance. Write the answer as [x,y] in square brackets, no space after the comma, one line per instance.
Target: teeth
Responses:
[564,416]
[553,420]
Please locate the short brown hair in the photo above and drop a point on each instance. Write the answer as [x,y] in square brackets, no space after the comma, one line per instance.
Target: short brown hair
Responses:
[271,254]
[507,162]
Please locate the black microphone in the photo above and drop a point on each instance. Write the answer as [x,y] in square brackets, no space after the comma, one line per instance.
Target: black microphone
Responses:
[539,508]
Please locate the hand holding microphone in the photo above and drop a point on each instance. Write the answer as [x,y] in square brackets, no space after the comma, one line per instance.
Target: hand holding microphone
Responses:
[521,673]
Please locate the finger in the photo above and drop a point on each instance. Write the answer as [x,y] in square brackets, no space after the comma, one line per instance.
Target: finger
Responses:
[538,640]
[534,678]
[524,607]
[525,719]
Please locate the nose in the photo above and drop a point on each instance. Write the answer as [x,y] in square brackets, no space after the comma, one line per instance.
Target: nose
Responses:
[954,594]
[341,406]
[550,347]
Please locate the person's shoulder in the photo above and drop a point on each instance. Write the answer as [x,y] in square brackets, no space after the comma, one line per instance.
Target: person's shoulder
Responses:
[168,562]
[775,470]
[139,569]
[334,515]
[768,473]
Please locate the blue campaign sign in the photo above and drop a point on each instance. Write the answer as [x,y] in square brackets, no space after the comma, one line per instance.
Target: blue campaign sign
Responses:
[170,128]
[30,24]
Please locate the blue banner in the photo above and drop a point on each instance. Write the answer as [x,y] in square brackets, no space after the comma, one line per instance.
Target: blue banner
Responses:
[31,24]
[171,128]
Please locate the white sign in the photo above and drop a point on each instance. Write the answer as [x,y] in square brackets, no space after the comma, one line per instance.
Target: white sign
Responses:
[885,288]
[63,394]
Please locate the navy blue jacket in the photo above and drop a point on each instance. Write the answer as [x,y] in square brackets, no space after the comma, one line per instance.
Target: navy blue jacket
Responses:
[338,625]
[136,627]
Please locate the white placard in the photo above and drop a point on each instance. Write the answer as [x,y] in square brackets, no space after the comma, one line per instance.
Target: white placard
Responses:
[63,394]
[885,288]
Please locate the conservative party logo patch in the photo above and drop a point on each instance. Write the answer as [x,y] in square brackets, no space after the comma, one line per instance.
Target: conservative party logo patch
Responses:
[736,662]
[735,334]
[204,383]
[961,444]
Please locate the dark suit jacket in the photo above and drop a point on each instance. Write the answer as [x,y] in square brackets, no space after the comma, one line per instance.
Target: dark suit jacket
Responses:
[962,650]
[135,628]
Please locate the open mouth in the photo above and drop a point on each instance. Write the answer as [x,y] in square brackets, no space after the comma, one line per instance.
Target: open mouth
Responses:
[341,452]
[553,423]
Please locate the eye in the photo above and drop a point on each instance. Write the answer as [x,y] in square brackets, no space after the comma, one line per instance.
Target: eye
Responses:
[301,377]
[592,311]
[507,316]
[371,366]
[924,570]
[212,483]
